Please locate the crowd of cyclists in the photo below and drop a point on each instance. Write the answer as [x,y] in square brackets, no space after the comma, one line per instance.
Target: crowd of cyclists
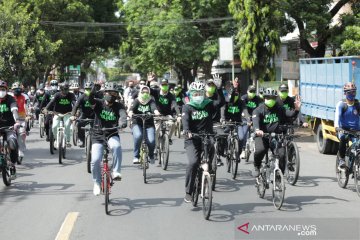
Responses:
[203,105]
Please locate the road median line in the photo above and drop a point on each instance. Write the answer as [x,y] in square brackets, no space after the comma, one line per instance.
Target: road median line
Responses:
[67,226]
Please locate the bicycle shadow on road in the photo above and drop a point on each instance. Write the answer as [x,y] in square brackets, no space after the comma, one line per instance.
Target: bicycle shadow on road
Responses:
[231,185]
[313,181]
[129,205]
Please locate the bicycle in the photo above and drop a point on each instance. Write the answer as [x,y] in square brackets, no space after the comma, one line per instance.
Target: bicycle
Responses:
[249,146]
[41,125]
[144,151]
[292,156]
[178,128]
[88,142]
[7,171]
[61,136]
[352,160]
[218,137]
[163,142]
[233,151]
[107,180]
[204,177]
[271,173]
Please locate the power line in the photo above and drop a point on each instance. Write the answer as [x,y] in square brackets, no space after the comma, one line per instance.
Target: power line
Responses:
[113,24]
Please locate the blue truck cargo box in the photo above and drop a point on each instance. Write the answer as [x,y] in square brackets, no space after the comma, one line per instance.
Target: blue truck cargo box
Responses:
[322,81]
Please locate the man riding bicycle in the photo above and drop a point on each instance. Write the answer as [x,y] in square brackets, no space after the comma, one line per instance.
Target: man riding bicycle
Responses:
[347,117]
[62,102]
[86,110]
[143,104]
[108,114]
[267,118]
[49,95]
[9,117]
[197,117]
[39,97]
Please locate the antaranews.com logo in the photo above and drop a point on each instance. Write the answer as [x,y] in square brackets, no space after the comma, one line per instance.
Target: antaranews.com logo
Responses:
[299,229]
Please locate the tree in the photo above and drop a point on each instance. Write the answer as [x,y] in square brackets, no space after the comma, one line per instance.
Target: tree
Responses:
[258,33]
[23,45]
[351,45]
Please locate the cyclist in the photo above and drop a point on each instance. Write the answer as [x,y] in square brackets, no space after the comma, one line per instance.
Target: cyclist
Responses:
[179,96]
[47,98]
[22,101]
[289,103]
[135,93]
[74,88]
[62,102]
[166,104]
[86,110]
[9,117]
[143,104]
[128,91]
[266,119]
[197,117]
[108,114]
[347,117]
[32,93]
[39,97]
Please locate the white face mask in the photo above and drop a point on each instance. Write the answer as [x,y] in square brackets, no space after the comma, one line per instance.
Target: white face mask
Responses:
[198,99]
[2,94]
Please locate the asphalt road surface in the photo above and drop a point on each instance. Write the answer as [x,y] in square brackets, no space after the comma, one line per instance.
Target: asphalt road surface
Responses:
[48,200]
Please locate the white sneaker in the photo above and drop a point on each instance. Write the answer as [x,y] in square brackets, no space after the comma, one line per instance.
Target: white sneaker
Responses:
[21,153]
[55,144]
[136,161]
[242,155]
[96,189]
[116,176]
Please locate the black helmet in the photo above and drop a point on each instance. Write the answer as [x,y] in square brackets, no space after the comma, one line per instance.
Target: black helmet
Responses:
[89,85]
[283,87]
[64,86]
[269,92]
[110,86]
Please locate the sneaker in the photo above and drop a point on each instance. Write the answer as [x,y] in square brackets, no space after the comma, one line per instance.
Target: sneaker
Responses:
[55,144]
[219,163]
[12,172]
[342,163]
[243,155]
[82,145]
[21,153]
[116,176]
[68,144]
[256,172]
[152,160]
[170,141]
[136,161]
[187,198]
[96,189]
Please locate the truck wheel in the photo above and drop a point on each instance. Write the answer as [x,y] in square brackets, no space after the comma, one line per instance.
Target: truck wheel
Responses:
[324,145]
[335,147]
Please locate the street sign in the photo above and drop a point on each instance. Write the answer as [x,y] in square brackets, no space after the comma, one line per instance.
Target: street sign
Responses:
[226,52]
[74,70]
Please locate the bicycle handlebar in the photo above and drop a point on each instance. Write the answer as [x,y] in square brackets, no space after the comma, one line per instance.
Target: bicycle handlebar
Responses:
[349,132]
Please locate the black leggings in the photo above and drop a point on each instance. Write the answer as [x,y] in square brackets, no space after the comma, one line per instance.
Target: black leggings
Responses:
[262,147]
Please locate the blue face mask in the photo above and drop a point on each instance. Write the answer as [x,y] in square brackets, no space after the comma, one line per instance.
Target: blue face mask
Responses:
[350,97]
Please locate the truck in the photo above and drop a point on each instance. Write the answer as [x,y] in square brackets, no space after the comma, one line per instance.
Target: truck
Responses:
[321,88]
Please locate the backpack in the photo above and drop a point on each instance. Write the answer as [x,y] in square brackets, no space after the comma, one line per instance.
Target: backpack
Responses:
[344,106]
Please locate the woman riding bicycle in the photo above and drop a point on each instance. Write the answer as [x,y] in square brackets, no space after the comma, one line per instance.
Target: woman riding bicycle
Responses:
[197,117]
[143,104]
[108,114]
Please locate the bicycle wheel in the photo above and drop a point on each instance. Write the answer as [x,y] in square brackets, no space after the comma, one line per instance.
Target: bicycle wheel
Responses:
[341,175]
[234,158]
[106,190]
[41,127]
[164,148]
[196,190]
[356,169]
[293,163]
[178,129]
[51,137]
[145,164]
[228,157]
[214,169]
[74,133]
[261,184]
[278,189]
[5,169]
[64,147]
[88,153]
[207,196]
[60,147]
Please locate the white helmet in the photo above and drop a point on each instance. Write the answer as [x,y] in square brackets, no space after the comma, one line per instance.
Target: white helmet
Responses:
[74,86]
[197,86]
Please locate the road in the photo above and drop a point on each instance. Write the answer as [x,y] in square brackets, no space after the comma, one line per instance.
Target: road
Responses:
[36,205]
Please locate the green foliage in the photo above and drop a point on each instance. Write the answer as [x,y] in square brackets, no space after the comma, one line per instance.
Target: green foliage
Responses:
[351,44]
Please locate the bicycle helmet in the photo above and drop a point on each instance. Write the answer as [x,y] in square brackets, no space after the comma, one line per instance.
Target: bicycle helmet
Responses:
[269,92]
[74,86]
[110,86]
[283,88]
[348,87]
[15,85]
[197,86]
[54,83]
[89,85]
[3,84]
